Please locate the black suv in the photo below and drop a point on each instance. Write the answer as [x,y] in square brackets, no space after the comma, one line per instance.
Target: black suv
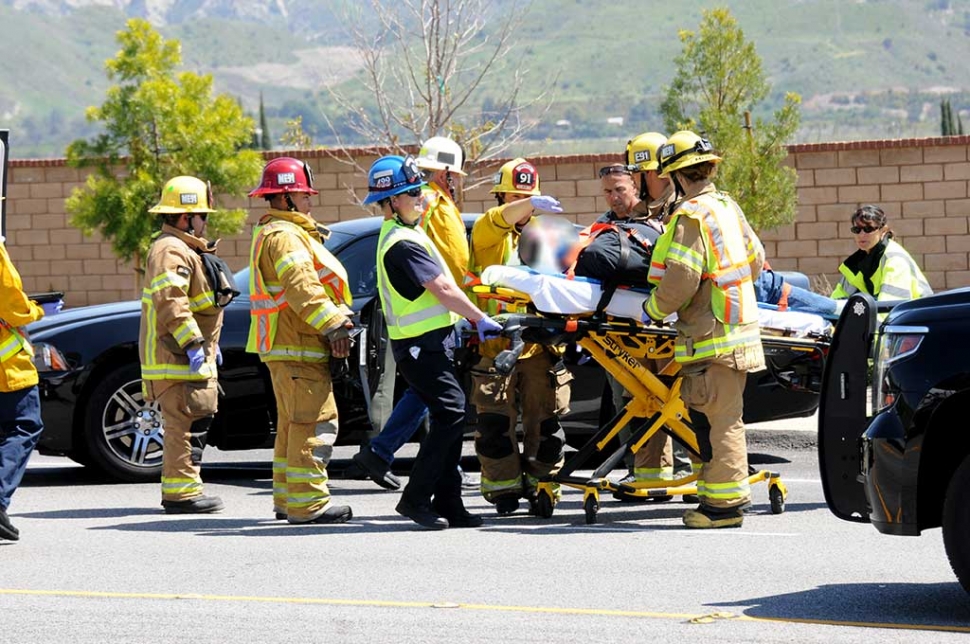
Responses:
[894,435]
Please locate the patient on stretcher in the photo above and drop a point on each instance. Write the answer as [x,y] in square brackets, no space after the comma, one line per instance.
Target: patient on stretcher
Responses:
[544,245]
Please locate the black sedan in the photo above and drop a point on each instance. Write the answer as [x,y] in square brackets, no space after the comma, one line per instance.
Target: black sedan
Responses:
[94,411]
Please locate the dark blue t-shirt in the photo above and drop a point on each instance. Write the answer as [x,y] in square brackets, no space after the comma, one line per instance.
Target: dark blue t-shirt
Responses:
[408,265]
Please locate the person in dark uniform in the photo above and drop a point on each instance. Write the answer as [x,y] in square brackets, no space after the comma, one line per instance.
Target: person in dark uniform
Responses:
[421,304]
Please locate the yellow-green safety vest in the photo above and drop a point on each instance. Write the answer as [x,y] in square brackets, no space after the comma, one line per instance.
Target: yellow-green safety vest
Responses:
[410,318]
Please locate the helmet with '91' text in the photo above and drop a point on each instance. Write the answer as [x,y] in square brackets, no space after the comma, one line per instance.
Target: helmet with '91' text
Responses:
[517,177]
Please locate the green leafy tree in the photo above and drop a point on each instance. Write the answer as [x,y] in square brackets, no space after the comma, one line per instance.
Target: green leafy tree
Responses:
[264,141]
[718,82]
[157,124]
[946,118]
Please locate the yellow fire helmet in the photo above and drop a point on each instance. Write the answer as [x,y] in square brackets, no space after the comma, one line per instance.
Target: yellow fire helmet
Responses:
[641,151]
[684,149]
[517,177]
[184,194]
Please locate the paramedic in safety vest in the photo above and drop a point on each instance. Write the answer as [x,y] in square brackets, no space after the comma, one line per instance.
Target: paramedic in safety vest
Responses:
[20,422]
[881,267]
[179,341]
[441,161]
[539,383]
[299,319]
[703,267]
[422,302]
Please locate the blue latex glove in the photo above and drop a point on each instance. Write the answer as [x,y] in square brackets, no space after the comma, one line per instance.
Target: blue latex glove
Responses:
[196,358]
[52,308]
[218,356]
[487,327]
[545,203]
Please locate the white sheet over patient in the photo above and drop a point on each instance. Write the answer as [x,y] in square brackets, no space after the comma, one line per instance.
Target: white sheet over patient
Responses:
[556,294]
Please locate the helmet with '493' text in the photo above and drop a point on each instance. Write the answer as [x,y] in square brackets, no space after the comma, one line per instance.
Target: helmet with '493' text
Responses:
[517,177]
[391,175]
[282,175]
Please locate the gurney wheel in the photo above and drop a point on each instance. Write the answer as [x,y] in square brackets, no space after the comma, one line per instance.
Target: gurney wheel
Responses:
[777,500]
[591,506]
[544,505]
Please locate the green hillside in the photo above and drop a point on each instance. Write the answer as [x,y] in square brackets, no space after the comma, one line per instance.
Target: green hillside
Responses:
[867,69]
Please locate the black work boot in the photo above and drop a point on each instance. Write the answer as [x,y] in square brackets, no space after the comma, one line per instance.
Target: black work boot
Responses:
[456,515]
[377,469]
[332,514]
[199,505]
[424,515]
[505,505]
[7,529]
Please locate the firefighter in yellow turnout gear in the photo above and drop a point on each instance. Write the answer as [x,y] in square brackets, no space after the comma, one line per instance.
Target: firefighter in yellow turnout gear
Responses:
[179,341]
[539,383]
[299,301]
[704,266]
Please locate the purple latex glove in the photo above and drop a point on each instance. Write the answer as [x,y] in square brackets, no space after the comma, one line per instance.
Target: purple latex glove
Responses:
[218,356]
[196,358]
[52,308]
[487,327]
[545,203]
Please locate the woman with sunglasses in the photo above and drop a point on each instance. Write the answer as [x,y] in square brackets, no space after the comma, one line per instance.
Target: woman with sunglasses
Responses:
[881,267]
[422,302]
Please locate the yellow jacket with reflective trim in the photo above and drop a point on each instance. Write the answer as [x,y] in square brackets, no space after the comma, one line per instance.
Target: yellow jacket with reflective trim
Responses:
[444,226]
[178,310]
[898,277]
[16,311]
[306,281]
[494,242]
[685,268]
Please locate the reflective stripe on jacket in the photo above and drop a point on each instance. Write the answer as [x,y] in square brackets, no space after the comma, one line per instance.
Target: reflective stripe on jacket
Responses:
[897,278]
[177,309]
[16,311]
[409,318]
[298,290]
[716,257]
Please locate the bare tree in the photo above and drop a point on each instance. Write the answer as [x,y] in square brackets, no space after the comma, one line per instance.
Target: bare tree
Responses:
[424,63]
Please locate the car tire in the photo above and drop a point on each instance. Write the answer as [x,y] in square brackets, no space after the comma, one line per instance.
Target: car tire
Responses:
[123,433]
[956,523]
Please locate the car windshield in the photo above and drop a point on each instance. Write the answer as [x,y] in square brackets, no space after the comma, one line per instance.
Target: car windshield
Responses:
[356,253]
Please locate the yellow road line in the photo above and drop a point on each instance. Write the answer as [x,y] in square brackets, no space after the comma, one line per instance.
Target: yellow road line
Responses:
[602,612]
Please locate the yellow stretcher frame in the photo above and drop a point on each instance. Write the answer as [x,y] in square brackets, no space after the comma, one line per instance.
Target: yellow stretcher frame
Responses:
[621,348]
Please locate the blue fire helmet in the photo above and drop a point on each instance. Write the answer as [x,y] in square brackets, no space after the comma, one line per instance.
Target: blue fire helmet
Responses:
[391,175]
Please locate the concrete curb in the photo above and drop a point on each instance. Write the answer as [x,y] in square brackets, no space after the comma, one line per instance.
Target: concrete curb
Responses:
[760,439]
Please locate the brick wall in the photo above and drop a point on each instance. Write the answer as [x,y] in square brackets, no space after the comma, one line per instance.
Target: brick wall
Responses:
[920,183]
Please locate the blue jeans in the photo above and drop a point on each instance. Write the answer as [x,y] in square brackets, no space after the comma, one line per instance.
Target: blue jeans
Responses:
[801,299]
[20,428]
[408,414]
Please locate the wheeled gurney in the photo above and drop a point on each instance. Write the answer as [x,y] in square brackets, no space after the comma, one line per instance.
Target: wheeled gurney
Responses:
[552,310]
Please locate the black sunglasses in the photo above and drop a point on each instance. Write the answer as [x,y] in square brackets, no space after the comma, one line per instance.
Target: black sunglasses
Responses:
[614,169]
[855,230]
[413,192]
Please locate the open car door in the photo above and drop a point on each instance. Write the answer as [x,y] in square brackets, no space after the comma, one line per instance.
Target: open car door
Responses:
[842,417]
